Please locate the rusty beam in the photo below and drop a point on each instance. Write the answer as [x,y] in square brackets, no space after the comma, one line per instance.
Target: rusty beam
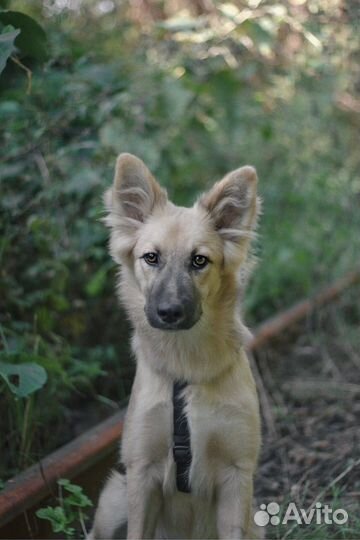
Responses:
[37,482]
[275,325]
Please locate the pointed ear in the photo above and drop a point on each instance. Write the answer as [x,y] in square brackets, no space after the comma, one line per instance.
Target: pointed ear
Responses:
[133,197]
[135,192]
[233,206]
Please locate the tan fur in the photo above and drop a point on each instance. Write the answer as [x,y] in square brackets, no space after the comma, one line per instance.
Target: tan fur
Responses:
[221,400]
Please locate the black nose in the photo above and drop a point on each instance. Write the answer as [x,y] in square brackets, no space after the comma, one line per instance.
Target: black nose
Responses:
[170,313]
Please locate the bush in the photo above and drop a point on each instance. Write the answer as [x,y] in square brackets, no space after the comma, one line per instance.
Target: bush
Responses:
[194,98]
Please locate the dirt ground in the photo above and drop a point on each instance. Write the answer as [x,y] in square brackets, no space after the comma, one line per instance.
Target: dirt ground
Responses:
[309,389]
[309,383]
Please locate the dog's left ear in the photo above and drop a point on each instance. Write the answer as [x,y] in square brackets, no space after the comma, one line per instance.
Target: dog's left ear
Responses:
[233,206]
[232,203]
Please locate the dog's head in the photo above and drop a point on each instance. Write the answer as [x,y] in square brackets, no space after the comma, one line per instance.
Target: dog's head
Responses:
[179,257]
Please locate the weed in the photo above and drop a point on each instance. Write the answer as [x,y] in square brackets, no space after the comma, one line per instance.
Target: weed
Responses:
[68,517]
[213,101]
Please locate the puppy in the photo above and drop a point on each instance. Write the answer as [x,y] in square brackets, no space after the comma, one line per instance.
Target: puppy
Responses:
[180,281]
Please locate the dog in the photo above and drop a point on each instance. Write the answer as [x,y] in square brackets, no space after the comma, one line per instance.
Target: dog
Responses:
[181,275]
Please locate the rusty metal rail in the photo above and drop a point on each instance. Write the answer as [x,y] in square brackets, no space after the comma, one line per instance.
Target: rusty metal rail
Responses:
[275,325]
[86,452]
[71,460]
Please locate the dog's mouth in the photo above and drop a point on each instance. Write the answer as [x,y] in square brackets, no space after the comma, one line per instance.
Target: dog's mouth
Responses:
[172,318]
[172,326]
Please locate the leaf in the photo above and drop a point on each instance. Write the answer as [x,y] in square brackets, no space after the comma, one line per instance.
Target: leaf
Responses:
[82,182]
[113,134]
[9,108]
[182,24]
[23,379]
[7,44]
[77,497]
[63,482]
[97,283]
[177,99]
[32,40]
[57,517]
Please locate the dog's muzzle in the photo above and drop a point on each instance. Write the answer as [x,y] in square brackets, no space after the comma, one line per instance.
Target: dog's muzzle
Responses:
[172,316]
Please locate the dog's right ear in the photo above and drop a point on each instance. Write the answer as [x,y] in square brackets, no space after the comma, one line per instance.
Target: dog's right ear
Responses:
[130,201]
[135,192]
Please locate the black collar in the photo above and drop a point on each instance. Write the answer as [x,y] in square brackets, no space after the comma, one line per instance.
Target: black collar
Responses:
[181,439]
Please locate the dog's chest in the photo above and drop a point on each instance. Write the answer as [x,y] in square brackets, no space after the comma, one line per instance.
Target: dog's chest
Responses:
[215,433]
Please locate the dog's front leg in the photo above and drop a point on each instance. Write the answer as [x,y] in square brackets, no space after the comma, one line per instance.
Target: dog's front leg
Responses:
[234,503]
[144,503]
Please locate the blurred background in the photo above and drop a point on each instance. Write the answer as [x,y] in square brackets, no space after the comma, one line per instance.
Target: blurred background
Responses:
[194,88]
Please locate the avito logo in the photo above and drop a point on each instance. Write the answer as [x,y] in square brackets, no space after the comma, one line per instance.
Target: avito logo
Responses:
[318,514]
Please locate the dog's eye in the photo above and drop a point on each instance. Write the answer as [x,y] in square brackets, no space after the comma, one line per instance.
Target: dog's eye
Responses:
[151,258]
[199,261]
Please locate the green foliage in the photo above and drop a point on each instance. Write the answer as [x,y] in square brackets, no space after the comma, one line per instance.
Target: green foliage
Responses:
[67,517]
[32,39]
[7,44]
[29,377]
[193,98]
[318,531]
